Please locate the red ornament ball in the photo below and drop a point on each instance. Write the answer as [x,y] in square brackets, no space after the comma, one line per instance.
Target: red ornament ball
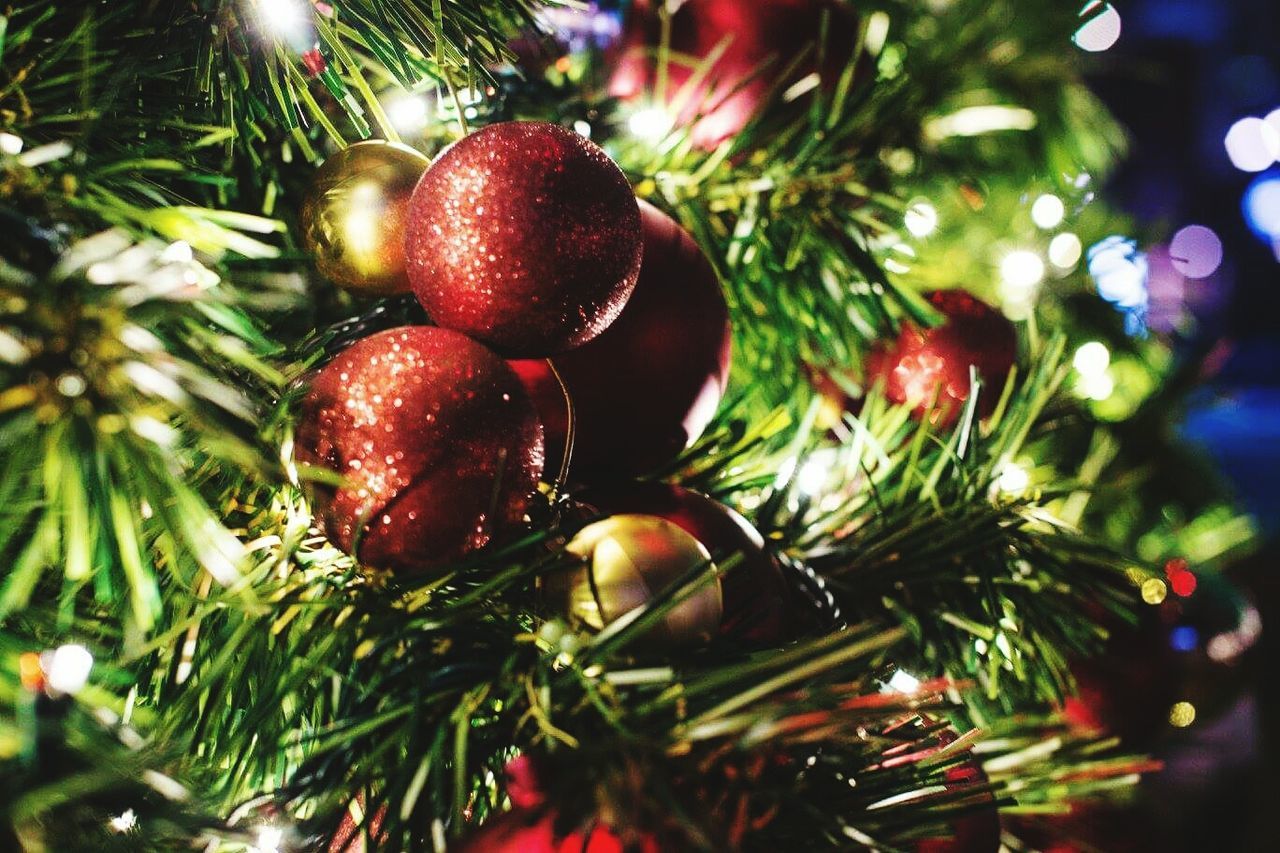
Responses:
[645,389]
[525,236]
[723,104]
[922,362]
[528,831]
[439,446]
[758,607]
[977,829]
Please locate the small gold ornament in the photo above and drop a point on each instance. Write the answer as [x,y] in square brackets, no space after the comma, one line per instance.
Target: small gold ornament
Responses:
[628,560]
[353,217]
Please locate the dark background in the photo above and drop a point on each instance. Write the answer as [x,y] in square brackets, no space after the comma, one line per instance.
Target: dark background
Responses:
[1182,73]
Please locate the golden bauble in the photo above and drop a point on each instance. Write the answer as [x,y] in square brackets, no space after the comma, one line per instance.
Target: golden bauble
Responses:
[353,217]
[627,561]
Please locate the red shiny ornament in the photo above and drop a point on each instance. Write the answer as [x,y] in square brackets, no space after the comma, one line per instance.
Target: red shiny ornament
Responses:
[761,29]
[645,389]
[972,832]
[439,445]
[525,236]
[524,831]
[975,831]
[914,366]
[1128,689]
[758,607]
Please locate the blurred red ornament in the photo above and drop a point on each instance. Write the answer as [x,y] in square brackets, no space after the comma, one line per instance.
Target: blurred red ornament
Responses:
[1129,687]
[645,389]
[922,362]
[525,236]
[977,829]
[437,441]
[761,30]
[524,831]
[758,607]
[522,783]
[350,837]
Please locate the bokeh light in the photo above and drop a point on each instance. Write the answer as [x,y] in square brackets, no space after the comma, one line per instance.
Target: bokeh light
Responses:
[904,682]
[1119,270]
[66,669]
[1101,31]
[1154,591]
[1013,480]
[1022,269]
[650,124]
[1097,387]
[921,218]
[1182,714]
[123,822]
[1262,207]
[1196,251]
[289,20]
[1184,638]
[1092,359]
[409,114]
[1273,119]
[1048,211]
[1182,580]
[1065,251]
[1252,144]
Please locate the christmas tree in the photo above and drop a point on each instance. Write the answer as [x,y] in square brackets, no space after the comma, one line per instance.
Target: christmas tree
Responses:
[528,425]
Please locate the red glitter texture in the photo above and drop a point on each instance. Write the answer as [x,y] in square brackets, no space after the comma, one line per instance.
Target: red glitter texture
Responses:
[437,441]
[920,360]
[525,236]
[645,389]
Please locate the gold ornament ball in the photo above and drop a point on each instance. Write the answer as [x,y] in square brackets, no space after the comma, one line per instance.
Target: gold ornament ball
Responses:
[353,218]
[627,561]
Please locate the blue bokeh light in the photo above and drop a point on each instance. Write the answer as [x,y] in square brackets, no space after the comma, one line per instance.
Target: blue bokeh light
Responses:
[1184,638]
[1120,271]
[1262,206]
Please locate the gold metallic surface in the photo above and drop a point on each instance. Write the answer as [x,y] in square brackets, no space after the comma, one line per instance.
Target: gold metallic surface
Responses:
[628,560]
[353,218]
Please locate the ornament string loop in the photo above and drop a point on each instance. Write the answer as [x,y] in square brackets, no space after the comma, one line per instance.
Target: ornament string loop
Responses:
[571,428]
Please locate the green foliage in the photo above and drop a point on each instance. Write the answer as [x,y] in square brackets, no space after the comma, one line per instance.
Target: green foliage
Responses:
[108,415]
[144,410]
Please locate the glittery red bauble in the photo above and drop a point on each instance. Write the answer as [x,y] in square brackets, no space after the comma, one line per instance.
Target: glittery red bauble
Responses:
[437,441]
[525,236]
[645,389]
[522,831]
[757,601]
[761,30]
[921,360]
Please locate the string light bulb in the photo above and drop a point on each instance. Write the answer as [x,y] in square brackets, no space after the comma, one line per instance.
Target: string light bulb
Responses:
[1048,211]
[904,682]
[1013,480]
[921,218]
[650,124]
[66,668]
